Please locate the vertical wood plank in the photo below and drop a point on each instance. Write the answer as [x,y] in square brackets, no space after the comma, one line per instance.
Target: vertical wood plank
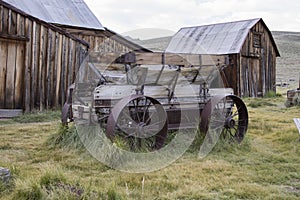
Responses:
[13,23]
[58,70]
[52,69]
[19,77]
[55,68]
[9,20]
[18,25]
[45,66]
[3,66]
[1,18]
[74,71]
[70,65]
[49,72]
[4,19]
[64,69]
[34,51]
[77,55]
[21,25]
[41,69]
[10,77]
[28,32]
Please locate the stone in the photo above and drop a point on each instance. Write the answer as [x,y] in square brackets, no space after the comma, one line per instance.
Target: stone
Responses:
[4,175]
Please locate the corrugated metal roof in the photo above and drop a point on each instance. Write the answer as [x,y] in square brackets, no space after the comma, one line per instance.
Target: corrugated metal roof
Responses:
[65,12]
[223,38]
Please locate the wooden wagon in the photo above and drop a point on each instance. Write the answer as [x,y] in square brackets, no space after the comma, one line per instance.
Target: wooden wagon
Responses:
[143,96]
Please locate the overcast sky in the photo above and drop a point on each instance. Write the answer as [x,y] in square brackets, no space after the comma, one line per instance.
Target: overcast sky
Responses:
[124,16]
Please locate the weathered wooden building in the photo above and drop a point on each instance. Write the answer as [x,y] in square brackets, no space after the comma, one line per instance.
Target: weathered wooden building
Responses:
[37,60]
[42,44]
[249,46]
[75,17]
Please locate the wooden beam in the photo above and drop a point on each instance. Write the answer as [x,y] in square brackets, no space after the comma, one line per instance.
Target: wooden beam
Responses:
[179,59]
[13,37]
[159,58]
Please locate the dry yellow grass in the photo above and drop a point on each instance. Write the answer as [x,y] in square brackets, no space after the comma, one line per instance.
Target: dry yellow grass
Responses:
[264,166]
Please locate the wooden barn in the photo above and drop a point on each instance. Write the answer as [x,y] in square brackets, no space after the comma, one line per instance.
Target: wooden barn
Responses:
[75,17]
[42,44]
[248,46]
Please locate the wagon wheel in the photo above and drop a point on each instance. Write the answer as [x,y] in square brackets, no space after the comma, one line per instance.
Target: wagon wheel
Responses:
[140,121]
[226,116]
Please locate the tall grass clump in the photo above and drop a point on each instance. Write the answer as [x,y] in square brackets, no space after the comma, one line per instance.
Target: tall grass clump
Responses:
[198,141]
[65,137]
[29,191]
[6,188]
[52,185]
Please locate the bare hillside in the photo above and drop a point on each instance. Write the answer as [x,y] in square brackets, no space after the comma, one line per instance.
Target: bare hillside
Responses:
[156,44]
[288,64]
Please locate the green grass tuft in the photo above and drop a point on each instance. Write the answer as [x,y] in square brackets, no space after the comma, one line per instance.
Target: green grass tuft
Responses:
[272,94]
[31,192]
[260,102]
[66,137]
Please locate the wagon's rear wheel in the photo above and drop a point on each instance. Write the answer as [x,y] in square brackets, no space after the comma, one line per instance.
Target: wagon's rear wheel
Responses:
[226,117]
[138,121]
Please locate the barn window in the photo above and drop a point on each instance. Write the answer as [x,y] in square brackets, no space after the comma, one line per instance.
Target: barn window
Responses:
[257,40]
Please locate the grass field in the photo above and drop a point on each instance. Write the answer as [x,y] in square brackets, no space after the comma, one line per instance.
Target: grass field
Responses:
[265,166]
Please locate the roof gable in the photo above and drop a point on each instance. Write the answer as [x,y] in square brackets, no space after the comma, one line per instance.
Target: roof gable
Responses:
[223,38]
[64,12]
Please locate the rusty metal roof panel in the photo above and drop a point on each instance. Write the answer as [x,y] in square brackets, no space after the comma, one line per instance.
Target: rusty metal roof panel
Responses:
[64,12]
[223,38]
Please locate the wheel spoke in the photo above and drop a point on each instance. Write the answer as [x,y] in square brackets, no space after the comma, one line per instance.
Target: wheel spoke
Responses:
[146,109]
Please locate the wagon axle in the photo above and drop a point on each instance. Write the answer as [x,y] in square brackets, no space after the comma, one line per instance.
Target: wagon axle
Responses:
[229,122]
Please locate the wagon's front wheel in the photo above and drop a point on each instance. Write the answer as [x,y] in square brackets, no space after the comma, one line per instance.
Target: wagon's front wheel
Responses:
[225,116]
[139,121]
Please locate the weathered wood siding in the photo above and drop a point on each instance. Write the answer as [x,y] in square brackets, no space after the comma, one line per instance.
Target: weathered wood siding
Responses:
[252,73]
[38,61]
[104,41]
[231,72]
[257,64]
